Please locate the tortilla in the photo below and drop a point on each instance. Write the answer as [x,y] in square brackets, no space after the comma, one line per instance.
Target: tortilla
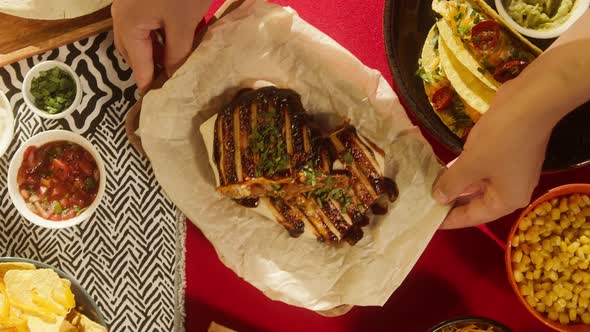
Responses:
[458,19]
[477,94]
[51,9]
[5,267]
[461,116]
[455,45]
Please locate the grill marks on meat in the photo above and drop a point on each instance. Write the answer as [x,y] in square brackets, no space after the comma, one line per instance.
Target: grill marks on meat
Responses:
[261,143]
[267,154]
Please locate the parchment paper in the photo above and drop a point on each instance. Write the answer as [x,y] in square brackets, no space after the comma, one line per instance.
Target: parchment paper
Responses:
[262,41]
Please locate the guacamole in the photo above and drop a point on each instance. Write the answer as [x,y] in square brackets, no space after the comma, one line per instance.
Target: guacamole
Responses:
[539,14]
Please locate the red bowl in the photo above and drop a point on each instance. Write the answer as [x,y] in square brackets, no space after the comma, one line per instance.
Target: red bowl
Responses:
[569,189]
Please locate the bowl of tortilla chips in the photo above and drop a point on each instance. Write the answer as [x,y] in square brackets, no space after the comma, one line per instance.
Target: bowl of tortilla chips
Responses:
[37,297]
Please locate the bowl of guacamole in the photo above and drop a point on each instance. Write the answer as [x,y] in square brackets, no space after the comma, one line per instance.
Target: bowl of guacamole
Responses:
[541,19]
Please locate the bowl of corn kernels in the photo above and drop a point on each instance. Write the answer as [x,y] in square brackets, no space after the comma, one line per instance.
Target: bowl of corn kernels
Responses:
[548,258]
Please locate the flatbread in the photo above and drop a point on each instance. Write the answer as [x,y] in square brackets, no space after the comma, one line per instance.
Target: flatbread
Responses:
[51,9]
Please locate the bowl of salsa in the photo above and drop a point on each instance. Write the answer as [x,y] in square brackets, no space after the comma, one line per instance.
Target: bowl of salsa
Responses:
[56,179]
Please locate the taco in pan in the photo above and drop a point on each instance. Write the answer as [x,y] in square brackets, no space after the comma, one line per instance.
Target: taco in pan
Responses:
[478,37]
[453,110]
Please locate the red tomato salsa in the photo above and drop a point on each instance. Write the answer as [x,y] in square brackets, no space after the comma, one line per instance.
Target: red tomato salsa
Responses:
[58,180]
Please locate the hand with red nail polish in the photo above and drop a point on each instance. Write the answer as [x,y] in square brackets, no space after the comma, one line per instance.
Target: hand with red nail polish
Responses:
[135,20]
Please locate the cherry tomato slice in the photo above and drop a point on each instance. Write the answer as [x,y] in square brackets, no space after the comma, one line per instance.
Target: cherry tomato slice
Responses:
[60,169]
[509,70]
[485,35]
[442,98]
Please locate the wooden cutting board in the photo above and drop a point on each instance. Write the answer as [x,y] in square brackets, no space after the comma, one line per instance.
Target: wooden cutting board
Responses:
[22,38]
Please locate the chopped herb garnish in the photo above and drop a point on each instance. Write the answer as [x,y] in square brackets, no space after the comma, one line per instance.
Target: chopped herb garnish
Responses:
[57,207]
[458,16]
[89,184]
[267,141]
[348,157]
[54,90]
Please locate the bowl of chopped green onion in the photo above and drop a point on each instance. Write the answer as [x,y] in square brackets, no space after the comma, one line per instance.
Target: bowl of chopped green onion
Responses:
[52,90]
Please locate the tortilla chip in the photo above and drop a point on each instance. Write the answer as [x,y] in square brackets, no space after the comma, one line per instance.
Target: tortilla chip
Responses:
[32,291]
[455,45]
[5,267]
[475,93]
[87,325]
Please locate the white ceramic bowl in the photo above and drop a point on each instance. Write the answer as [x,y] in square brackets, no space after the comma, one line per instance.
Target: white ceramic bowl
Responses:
[6,123]
[17,159]
[30,100]
[578,10]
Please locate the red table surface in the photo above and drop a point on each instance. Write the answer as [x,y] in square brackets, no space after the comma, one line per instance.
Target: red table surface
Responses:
[460,273]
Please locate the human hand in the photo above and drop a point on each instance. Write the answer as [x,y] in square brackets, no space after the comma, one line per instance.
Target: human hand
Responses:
[499,167]
[135,20]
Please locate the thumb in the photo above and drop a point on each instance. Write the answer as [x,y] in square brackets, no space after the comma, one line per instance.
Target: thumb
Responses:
[458,179]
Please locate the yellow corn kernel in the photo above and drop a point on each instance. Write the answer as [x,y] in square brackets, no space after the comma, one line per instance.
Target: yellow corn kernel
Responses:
[537,274]
[546,244]
[583,265]
[524,290]
[573,261]
[586,212]
[572,314]
[573,247]
[546,286]
[540,294]
[548,300]
[583,302]
[555,214]
[564,222]
[567,294]
[577,289]
[555,240]
[554,315]
[548,265]
[515,241]
[554,201]
[518,277]
[579,222]
[517,256]
[564,318]
[536,258]
[540,211]
[585,318]
[568,285]
[546,206]
[563,205]
[552,275]
[586,277]
[585,294]
[525,223]
[532,301]
[586,199]
[539,221]
[585,247]
[559,305]
[575,208]
[540,307]
[526,260]
[577,277]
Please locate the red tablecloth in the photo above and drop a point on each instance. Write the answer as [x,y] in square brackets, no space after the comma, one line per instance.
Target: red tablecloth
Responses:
[460,273]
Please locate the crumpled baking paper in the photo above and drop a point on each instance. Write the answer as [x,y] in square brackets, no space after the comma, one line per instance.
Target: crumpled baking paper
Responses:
[263,41]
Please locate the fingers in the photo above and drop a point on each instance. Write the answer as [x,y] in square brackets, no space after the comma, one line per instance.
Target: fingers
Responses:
[179,44]
[455,181]
[480,209]
[140,57]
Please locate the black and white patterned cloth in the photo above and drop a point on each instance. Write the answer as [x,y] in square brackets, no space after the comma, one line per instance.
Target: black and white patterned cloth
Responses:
[130,255]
